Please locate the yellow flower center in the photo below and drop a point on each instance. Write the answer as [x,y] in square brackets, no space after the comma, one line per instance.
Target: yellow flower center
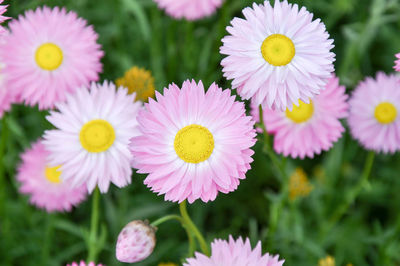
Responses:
[97,135]
[53,174]
[385,113]
[327,261]
[278,50]
[194,144]
[139,81]
[49,56]
[299,186]
[301,113]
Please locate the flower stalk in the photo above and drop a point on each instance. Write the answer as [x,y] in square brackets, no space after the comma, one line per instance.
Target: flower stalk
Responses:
[191,238]
[280,165]
[93,248]
[191,227]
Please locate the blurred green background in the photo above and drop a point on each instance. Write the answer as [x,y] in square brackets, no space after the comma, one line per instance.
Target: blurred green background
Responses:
[135,32]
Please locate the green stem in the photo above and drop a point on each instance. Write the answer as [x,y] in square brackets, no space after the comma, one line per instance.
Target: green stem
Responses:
[266,136]
[192,243]
[280,165]
[94,225]
[188,223]
[267,148]
[337,215]
[166,218]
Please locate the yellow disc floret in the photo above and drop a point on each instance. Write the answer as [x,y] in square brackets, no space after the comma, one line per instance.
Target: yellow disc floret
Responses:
[327,261]
[140,81]
[278,50]
[301,113]
[299,186]
[385,113]
[49,56]
[97,135]
[53,174]
[194,144]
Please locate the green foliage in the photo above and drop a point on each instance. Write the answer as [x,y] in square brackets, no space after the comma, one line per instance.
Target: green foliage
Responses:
[135,32]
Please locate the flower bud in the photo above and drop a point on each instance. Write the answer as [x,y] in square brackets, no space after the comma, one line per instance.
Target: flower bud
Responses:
[135,242]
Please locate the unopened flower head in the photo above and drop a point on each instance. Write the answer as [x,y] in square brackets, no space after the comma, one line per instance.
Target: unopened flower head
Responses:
[48,54]
[92,134]
[135,242]
[234,253]
[193,144]
[277,55]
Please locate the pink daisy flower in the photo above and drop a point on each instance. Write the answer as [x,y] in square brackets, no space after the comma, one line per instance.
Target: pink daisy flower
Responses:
[310,128]
[135,242]
[3,9]
[277,55]
[397,63]
[92,136]
[189,9]
[234,253]
[374,113]
[193,144]
[43,184]
[82,263]
[49,53]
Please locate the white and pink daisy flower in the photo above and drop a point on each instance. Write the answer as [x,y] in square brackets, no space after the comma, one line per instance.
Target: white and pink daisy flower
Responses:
[311,127]
[374,113]
[193,144]
[42,182]
[92,136]
[277,55]
[49,53]
[189,9]
[234,253]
